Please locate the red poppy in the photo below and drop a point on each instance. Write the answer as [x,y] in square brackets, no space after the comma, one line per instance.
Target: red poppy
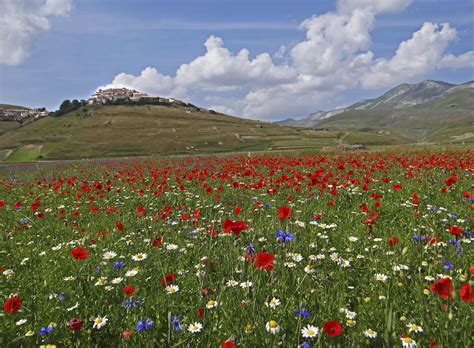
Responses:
[13,304]
[471,269]
[443,288]
[126,334]
[392,240]
[228,343]
[129,290]
[264,260]
[119,225]
[140,210]
[79,253]
[75,324]
[235,226]
[200,312]
[466,292]
[332,328]
[455,230]
[397,187]
[168,279]
[284,212]
[157,242]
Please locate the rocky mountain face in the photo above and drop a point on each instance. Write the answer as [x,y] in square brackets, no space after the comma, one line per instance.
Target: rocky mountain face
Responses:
[403,96]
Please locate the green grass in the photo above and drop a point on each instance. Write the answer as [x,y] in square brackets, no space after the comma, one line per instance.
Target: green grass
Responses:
[25,154]
[329,271]
[112,131]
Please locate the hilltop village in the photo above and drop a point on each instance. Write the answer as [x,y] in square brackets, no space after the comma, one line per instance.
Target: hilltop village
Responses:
[22,115]
[125,95]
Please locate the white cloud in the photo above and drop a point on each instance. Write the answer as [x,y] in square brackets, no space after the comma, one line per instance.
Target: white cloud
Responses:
[413,58]
[376,6]
[21,21]
[334,57]
[219,68]
[465,60]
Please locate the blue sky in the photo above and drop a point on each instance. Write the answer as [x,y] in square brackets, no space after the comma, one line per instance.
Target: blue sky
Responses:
[87,44]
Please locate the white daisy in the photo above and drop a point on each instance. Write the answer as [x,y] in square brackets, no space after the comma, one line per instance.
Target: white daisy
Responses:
[370,333]
[247,284]
[273,303]
[139,257]
[132,273]
[272,327]
[109,255]
[99,322]
[232,283]
[171,289]
[117,280]
[414,328]
[310,331]
[21,322]
[101,281]
[211,304]
[380,277]
[195,327]
[407,342]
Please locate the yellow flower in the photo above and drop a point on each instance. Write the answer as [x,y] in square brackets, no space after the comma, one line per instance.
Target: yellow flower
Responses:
[48,346]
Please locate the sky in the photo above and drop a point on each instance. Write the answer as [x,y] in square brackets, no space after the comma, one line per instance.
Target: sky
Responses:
[260,59]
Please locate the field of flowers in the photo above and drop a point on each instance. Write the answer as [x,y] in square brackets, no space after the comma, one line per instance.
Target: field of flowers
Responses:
[356,249]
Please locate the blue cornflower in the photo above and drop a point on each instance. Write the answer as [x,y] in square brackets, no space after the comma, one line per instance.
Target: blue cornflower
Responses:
[176,324]
[131,303]
[453,215]
[467,234]
[147,324]
[416,238]
[266,205]
[45,330]
[448,265]
[192,234]
[455,243]
[306,345]
[303,312]
[250,249]
[459,251]
[284,236]
[23,221]
[62,296]
[118,264]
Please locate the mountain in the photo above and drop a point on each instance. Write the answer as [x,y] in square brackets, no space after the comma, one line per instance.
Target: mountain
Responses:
[93,131]
[402,96]
[429,111]
[285,121]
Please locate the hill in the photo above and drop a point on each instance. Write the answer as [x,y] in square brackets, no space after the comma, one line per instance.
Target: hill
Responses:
[429,111]
[129,130]
[6,126]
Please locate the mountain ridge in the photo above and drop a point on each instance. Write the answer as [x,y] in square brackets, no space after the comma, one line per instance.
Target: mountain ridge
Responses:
[402,96]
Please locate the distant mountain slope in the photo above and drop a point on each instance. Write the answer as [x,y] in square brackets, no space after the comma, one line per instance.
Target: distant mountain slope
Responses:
[445,119]
[285,121]
[128,130]
[402,96]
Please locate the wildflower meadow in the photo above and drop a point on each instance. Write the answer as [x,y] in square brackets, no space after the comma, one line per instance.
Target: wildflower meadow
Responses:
[357,249]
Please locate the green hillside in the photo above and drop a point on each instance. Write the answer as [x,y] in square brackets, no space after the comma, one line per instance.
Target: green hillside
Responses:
[11,106]
[448,119]
[109,131]
[6,126]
